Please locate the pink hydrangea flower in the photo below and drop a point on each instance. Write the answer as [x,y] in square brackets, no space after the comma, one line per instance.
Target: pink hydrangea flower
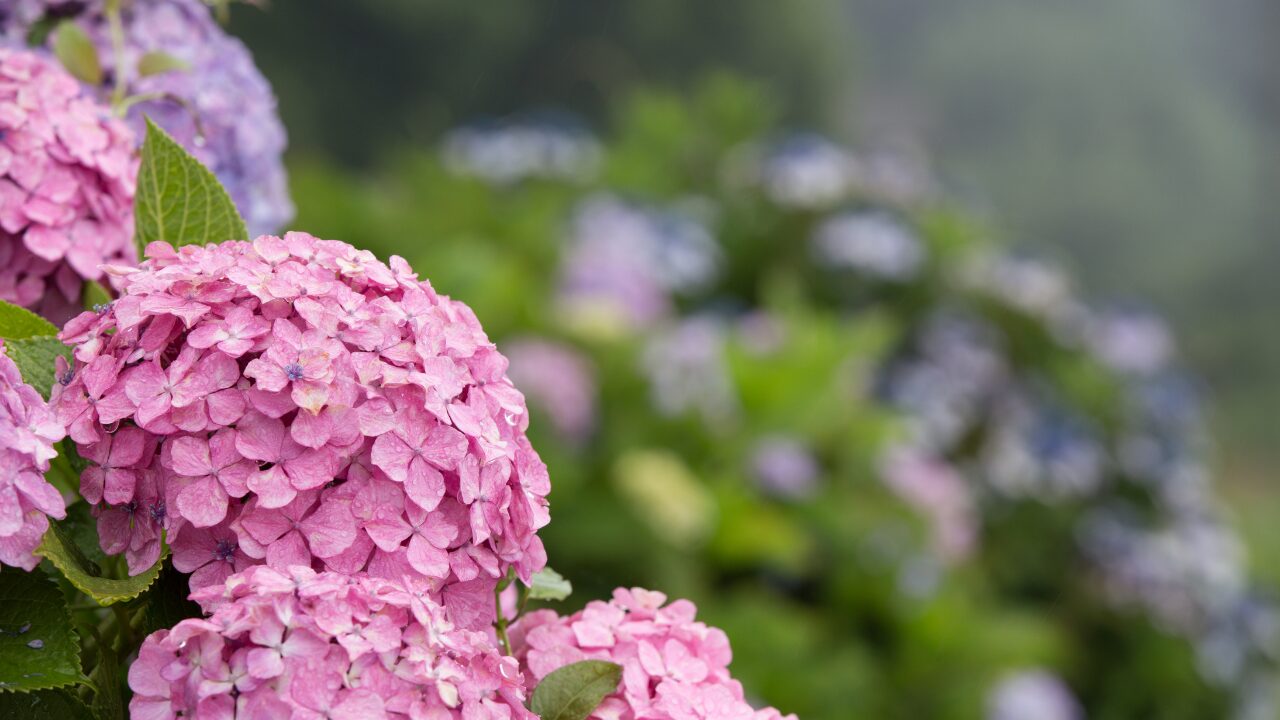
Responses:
[309,645]
[28,430]
[294,401]
[67,173]
[673,667]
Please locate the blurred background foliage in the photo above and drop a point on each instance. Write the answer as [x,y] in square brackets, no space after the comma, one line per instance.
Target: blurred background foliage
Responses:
[1133,143]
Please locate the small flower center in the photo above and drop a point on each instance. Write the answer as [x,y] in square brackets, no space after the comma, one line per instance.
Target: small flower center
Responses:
[157,512]
[224,550]
[293,371]
[65,378]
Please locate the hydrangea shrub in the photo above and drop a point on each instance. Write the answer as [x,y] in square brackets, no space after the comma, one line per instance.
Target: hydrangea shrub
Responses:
[322,449]
[178,67]
[837,414]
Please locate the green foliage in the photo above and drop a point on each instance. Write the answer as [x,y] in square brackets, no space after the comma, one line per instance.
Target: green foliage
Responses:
[156,63]
[573,691]
[36,359]
[549,585]
[74,49]
[18,323]
[179,201]
[38,648]
[45,705]
[165,603]
[31,342]
[61,550]
[94,295]
[109,687]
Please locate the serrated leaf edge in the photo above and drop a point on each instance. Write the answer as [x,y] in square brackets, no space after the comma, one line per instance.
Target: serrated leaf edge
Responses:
[102,600]
[75,652]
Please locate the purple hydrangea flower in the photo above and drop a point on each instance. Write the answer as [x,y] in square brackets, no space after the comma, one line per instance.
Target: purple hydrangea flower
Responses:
[785,467]
[1033,695]
[873,243]
[626,262]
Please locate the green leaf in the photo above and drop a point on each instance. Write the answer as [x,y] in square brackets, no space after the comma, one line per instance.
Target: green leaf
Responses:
[166,603]
[178,200]
[573,691]
[156,62]
[38,648]
[94,295]
[549,585]
[18,323]
[108,681]
[35,358]
[76,52]
[44,705]
[60,549]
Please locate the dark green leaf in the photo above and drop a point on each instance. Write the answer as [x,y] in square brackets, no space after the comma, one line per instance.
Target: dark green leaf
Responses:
[166,603]
[156,62]
[108,681]
[38,648]
[61,550]
[549,585]
[178,200]
[43,705]
[36,359]
[76,52]
[17,323]
[573,691]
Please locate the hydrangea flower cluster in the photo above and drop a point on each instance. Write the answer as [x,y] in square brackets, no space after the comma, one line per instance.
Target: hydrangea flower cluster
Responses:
[218,106]
[313,645]
[559,380]
[508,152]
[874,243]
[28,430]
[294,401]
[1033,695]
[783,466]
[626,262]
[673,667]
[67,172]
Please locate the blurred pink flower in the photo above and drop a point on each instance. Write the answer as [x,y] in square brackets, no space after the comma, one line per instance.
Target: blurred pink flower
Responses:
[67,173]
[560,381]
